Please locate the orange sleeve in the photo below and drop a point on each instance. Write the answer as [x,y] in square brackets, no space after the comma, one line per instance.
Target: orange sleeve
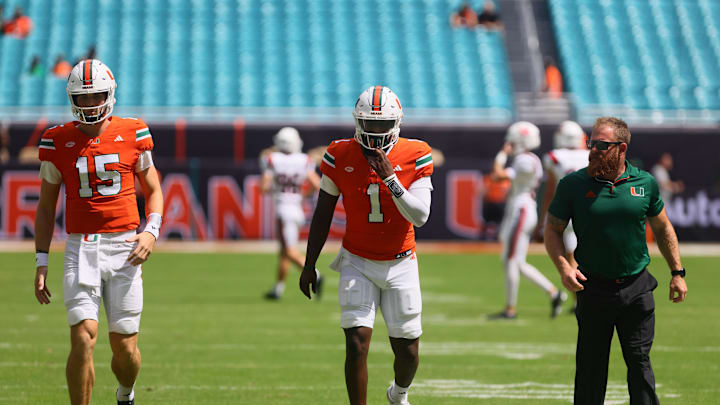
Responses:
[143,138]
[46,147]
[327,167]
[423,161]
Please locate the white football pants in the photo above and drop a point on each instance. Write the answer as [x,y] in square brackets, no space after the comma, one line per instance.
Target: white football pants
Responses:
[391,285]
[515,233]
[96,268]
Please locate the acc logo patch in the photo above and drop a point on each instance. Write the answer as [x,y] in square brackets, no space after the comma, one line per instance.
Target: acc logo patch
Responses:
[637,191]
[70,144]
[349,169]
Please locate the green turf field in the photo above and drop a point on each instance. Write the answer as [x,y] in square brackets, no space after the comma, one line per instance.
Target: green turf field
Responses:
[207,337]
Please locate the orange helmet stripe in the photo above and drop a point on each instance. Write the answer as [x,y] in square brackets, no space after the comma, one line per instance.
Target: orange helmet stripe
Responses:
[377,98]
[87,72]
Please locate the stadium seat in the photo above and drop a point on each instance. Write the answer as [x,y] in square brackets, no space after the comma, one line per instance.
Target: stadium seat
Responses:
[253,53]
[655,55]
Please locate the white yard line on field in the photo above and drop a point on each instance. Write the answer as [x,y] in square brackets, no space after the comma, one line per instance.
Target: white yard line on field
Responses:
[616,392]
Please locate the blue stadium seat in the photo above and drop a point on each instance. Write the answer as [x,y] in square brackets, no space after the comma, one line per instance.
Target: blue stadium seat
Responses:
[643,54]
[253,53]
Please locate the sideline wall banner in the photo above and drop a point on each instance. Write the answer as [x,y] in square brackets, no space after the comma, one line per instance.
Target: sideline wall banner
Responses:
[218,201]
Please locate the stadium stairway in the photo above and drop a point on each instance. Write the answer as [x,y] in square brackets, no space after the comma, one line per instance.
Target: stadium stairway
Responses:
[516,43]
[530,105]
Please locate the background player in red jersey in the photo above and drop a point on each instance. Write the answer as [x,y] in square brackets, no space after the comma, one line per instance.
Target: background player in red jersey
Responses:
[97,158]
[386,187]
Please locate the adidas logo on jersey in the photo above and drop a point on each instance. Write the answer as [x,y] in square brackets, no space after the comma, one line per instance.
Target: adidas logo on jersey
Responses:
[397,168]
[119,139]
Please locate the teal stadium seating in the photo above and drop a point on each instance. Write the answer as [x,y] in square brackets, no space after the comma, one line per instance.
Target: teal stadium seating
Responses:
[261,53]
[644,55]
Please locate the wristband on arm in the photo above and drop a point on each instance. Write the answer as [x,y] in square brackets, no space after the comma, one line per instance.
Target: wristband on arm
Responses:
[154,222]
[41,259]
[394,186]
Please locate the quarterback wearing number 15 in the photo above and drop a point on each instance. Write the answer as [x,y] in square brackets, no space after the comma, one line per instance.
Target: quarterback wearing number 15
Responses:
[97,157]
[386,187]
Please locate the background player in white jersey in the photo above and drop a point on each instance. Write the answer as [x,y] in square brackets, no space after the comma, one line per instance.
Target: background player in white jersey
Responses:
[285,170]
[569,155]
[520,216]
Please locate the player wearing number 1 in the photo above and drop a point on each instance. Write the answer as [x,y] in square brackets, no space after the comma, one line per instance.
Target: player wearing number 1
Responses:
[386,187]
[97,158]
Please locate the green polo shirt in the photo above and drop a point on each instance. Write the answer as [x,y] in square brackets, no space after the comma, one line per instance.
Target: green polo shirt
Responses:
[609,219]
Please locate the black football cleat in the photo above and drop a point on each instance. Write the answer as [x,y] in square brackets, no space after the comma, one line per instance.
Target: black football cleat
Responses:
[556,303]
[130,402]
[502,315]
[272,295]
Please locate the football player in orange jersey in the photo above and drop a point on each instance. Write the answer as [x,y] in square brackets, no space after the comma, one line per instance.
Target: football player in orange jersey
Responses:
[386,187]
[97,158]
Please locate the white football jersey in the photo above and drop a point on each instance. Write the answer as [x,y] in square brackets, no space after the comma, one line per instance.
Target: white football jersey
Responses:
[289,171]
[565,161]
[526,172]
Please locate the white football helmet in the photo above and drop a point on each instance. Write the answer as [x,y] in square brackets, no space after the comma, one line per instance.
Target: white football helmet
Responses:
[88,77]
[378,114]
[524,136]
[569,135]
[288,140]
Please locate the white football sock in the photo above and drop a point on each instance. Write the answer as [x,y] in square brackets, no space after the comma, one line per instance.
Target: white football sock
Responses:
[125,393]
[279,288]
[397,392]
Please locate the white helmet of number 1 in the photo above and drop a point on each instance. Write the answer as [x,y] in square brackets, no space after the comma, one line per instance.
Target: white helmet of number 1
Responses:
[569,135]
[91,76]
[288,140]
[524,136]
[378,114]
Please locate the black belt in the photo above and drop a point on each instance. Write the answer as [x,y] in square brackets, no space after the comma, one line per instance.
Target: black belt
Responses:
[594,278]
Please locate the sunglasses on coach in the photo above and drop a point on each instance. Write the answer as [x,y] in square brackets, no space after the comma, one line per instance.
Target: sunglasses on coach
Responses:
[600,145]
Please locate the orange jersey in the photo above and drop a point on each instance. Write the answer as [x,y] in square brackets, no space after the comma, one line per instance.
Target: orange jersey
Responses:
[99,173]
[375,228]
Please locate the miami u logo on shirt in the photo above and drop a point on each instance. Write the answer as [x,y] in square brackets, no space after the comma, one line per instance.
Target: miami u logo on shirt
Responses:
[637,191]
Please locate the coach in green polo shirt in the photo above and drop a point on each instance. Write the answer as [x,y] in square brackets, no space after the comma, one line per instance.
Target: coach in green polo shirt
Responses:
[609,202]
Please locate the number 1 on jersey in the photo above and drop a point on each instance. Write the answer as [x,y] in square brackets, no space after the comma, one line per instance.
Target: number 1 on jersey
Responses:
[375,214]
[82,166]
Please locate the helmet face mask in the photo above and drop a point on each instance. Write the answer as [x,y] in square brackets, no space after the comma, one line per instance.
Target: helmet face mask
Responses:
[377,133]
[378,114]
[91,112]
[91,76]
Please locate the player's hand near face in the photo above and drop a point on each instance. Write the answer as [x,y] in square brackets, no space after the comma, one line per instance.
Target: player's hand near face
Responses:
[507,148]
[42,293]
[145,243]
[379,162]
